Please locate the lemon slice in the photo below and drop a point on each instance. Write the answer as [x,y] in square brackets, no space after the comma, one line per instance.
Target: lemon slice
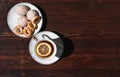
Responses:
[44,49]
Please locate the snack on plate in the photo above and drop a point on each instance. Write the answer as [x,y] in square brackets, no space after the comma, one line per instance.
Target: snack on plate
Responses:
[18,30]
[22,9]
[27,20]
[27,32]
[22,20]
[32,25]
[36,26]
[31,14]
[36,20]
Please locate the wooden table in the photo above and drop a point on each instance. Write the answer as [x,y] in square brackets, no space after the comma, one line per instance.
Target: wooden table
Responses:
[90,30]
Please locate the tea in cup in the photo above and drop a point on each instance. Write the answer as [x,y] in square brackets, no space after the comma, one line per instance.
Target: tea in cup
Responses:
[44,49]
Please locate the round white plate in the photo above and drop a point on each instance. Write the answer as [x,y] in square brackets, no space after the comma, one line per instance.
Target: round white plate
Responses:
[58,47]
[12,18]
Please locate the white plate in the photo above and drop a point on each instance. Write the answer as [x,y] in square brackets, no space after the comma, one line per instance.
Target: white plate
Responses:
[12,18]
[58,47]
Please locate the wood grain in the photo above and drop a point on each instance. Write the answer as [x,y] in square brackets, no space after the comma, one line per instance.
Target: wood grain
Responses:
[88,28]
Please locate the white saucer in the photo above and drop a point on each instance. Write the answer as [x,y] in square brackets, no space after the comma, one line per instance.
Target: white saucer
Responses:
[12,18]
[50,37]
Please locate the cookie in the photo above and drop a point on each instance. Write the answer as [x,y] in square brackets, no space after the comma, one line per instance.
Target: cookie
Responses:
[22,9]
[22,20]
[18,30]
[27,32]
[31,14]
[32,25]
[36,19]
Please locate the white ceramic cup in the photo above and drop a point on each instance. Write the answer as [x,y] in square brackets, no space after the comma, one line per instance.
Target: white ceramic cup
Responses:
[48,40]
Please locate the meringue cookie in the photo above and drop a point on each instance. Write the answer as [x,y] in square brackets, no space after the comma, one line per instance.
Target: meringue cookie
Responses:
[22,20]
[31,14]
[22,9]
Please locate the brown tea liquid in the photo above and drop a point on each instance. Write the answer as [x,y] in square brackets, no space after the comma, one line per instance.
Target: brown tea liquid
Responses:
[44,49]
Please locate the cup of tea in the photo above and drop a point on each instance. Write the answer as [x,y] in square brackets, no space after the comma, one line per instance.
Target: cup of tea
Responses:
[45,48]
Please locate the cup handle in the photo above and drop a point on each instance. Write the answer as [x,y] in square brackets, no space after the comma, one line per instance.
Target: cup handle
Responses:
[43,36]
[46,36]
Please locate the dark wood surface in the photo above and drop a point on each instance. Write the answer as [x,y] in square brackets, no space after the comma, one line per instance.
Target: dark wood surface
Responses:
[90,30]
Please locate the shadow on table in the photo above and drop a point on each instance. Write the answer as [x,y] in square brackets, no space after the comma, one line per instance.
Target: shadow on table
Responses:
[44,25]
[68,46]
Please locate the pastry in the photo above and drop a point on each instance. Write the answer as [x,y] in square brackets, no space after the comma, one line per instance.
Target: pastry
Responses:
[31,14]
[18,30]
[22,20]
[32,25]
[22,9]
[36,19]
[27,32]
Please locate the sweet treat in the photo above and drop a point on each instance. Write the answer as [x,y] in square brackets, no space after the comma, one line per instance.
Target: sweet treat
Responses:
[28,20]
[36,26]
[18,30]
[31,25]
[22,9]
[27,32]
[36,19]
[22,20]
[31,14]
[44,49]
